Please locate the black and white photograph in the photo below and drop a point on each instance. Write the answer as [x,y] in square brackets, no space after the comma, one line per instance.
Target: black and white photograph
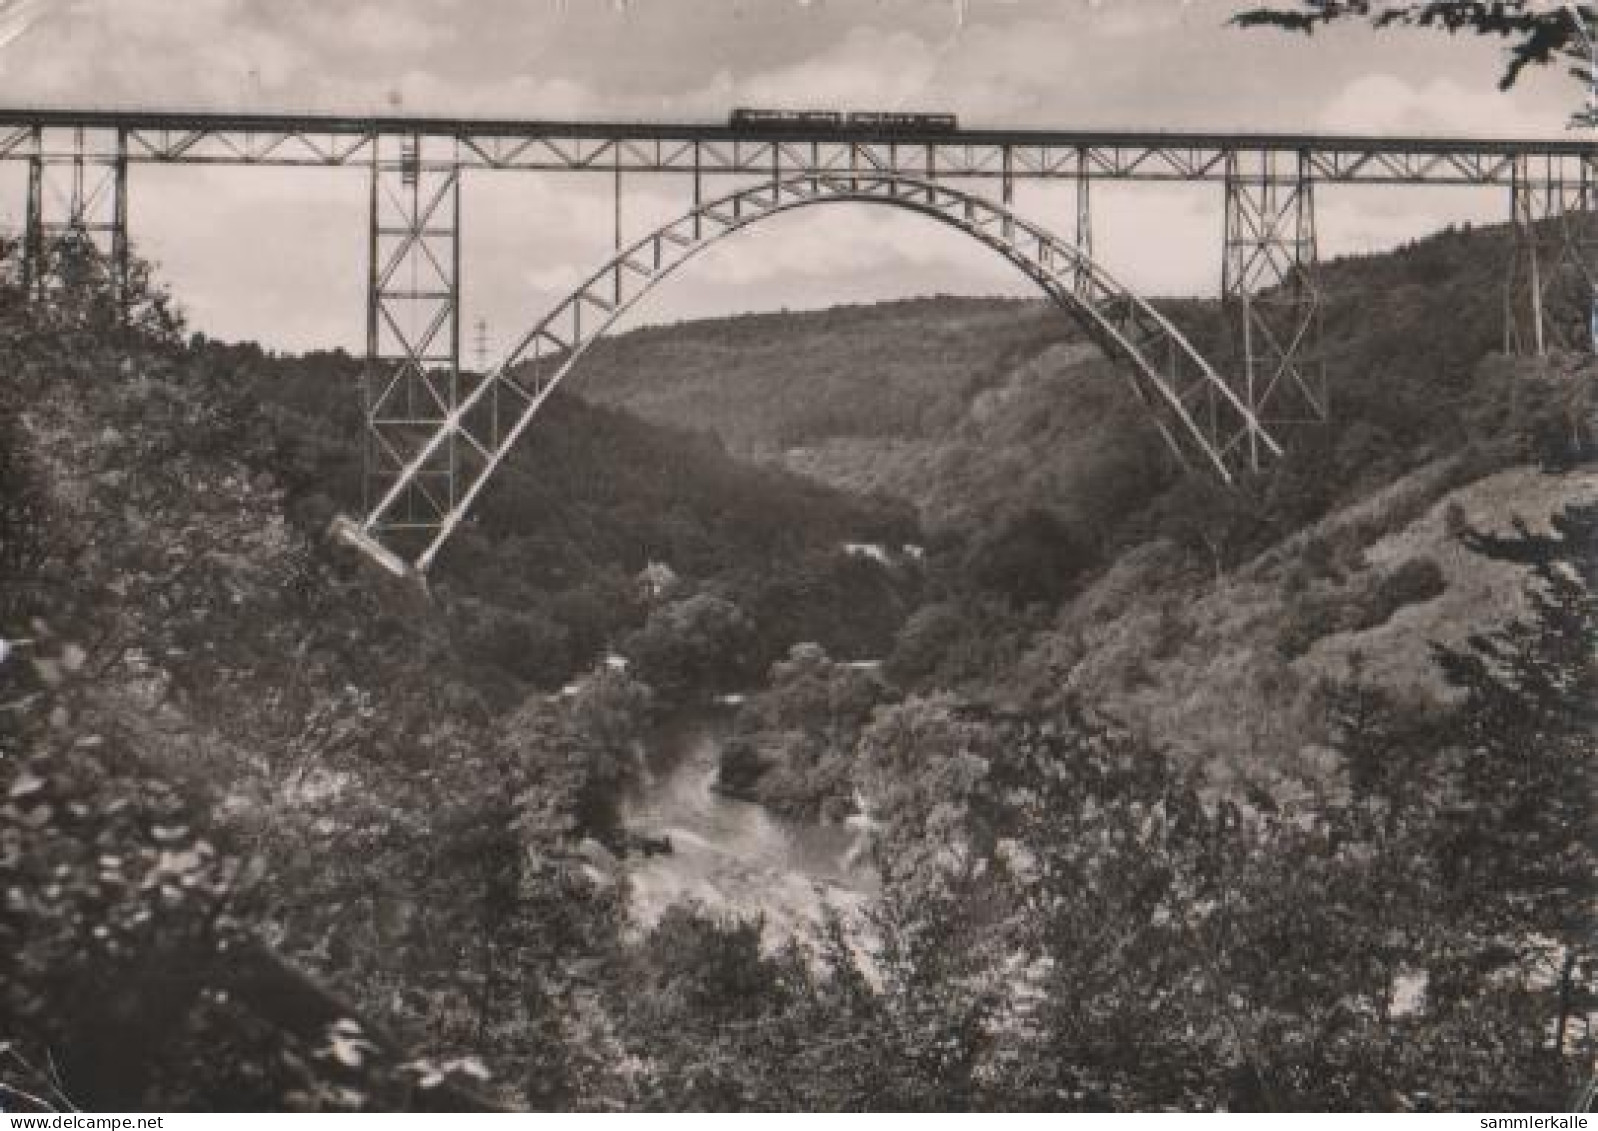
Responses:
[816,556]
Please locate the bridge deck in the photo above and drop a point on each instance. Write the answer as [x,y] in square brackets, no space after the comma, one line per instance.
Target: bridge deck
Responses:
[56,134]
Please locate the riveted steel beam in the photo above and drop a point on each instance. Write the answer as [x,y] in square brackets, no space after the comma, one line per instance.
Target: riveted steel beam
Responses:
[332,140]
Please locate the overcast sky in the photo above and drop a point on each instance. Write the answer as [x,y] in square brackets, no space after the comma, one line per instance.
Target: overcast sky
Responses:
[278,255]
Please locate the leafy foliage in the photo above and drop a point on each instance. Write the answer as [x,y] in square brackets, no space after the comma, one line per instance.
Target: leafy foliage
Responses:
[1539,34]
[792,746]
[695,644]
[1323,611]
[1526,735]
[232,760]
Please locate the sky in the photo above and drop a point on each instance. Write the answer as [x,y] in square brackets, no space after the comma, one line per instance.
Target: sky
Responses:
[278,256]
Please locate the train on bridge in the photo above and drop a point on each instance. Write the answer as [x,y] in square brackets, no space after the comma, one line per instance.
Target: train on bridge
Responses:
[840,121]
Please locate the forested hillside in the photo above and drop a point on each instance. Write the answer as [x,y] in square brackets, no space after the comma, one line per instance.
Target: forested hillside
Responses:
[1176,797]
[548,573]
[228,747]
[900,370]
[978,408]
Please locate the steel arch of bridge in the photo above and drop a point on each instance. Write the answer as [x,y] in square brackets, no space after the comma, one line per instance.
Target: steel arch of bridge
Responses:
[1202,419]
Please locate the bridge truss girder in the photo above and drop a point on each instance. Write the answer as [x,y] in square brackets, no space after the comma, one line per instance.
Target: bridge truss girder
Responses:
[1551,292]
[1199,415]
[77,200]
[1269,288]
[333,140]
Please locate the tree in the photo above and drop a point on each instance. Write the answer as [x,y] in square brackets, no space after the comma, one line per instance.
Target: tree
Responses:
[794,745]
[577,754]
[1525,838]
[698,644]
[1030,556]
[1478,821]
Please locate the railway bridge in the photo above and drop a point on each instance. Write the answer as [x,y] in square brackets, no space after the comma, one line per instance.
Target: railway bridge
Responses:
[436,432]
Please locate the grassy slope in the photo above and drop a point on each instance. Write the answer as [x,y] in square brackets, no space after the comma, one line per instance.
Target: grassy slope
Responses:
[1199,664]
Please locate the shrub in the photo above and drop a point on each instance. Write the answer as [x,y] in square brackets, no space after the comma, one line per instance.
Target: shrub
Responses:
[1416,580]
[1363,606]
[1030,557]
[699,644]
[739,766]
[1308,618]
[525,644]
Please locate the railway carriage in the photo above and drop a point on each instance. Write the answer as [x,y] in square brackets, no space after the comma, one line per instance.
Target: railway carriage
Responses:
[807,121]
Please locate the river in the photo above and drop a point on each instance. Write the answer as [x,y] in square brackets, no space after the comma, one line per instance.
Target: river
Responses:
[734,857]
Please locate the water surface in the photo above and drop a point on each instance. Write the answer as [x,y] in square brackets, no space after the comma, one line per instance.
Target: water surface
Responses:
[735,857]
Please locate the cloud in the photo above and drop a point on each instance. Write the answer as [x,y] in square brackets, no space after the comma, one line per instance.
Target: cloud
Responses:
[280,257]
[427,92]
[1388,104]
[867,67]
[16,17]
[135,52]
[383,29]
[571,225]
[530,242]
[838,240]
[264,253]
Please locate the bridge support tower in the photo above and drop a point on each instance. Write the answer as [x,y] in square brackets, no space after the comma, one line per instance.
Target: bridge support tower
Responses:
[1551,296]
[77,197]
[413,330]
[1269,289]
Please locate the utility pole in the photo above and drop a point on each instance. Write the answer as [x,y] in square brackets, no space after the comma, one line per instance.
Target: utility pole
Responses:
[481,345]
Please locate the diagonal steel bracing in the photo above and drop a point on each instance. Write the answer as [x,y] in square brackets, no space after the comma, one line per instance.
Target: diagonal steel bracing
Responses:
[1551,292]
[1268,285]
[1201,417]
[413,376]
[721,149]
